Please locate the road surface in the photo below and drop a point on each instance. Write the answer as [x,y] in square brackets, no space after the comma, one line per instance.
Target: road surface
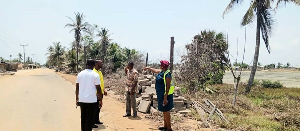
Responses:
[41,100]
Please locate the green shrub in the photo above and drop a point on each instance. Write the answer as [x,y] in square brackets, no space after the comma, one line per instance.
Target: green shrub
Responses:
[270,84]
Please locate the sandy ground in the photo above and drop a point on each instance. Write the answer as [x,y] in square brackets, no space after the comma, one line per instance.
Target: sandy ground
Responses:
[41,100]
[288,78]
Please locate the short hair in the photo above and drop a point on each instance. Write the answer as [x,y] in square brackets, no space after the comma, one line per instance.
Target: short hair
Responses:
[131,63]
[90,62]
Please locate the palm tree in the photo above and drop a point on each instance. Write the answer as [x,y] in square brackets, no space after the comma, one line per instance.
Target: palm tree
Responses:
[104,41]
[55,52]
[20,57]
[263,11]
[78,26]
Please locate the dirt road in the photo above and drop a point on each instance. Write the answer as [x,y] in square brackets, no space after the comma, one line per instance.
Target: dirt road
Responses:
[41,100]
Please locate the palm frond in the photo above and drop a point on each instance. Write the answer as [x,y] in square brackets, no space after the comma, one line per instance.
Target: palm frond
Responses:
[70,25]
[231,5]
[249,16]
[297,2]
[70,19]
[266,22]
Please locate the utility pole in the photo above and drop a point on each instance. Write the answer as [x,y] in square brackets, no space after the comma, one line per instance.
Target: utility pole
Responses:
[147,60]
[33,58]
[172,53]
[24,51]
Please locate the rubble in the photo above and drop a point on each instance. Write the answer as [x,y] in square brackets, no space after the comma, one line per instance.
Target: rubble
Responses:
[144,106]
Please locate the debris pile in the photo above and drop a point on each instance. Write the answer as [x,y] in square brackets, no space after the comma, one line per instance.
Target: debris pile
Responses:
[147,100]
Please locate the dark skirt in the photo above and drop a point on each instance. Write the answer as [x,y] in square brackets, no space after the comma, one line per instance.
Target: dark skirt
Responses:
[169,106]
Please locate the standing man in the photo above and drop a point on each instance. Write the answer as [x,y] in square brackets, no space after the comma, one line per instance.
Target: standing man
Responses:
[132,79]
[98,66]
[87,83]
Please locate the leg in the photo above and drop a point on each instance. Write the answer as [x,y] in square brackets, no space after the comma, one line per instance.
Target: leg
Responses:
[168,120]
[165,120]
[97,112]
[91,110]
[83,115]
[133,104]
[128,103]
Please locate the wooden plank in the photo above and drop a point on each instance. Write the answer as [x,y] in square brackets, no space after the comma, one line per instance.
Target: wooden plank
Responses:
[211,113]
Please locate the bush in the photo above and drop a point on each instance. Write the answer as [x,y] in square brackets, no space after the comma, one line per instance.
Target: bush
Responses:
[270,84]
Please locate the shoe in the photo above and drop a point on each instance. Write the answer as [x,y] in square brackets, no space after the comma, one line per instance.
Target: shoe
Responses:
[98,122]
[134,116]
[95,126]
[126,115]
[162,128]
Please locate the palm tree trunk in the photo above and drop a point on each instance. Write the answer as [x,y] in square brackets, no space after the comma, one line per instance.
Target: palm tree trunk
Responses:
[255,60]
[77,51]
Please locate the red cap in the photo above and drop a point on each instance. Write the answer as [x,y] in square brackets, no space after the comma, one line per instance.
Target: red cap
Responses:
[164,63]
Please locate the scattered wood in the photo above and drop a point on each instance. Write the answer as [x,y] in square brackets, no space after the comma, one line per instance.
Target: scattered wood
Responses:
[211,109]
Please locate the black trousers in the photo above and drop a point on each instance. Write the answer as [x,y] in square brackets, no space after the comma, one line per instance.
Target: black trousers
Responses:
[97,112]
[88,111]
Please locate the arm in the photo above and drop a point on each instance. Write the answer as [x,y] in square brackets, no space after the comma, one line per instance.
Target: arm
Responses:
[99,92]
[126,70]
[152,69]
[77,92]
[133,85]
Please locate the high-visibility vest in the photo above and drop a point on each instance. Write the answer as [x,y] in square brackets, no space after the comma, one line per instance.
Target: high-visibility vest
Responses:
[172,87]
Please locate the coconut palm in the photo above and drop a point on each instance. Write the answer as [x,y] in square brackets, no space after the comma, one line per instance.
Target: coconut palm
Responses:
[263,11]
[55,53]
[104,42]
[20,57]
[78,26]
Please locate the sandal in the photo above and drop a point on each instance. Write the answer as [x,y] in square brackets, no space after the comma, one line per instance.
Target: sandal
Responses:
[162,128]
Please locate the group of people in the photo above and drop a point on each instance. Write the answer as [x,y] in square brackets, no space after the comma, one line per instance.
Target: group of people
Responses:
[90,91]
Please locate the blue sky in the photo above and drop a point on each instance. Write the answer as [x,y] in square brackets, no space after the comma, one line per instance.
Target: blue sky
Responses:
[144,25]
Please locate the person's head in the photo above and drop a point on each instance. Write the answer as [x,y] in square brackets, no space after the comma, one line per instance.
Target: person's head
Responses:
[164,64]
[130,65]
[98,64]
[90,63]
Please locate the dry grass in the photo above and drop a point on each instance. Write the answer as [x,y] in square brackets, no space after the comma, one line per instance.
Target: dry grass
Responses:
[262,109]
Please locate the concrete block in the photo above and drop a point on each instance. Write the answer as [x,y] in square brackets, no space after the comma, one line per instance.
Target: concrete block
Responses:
[143,88]
[138,101]
[153,111]
[155,104]
[152,85]
[149,76]
[144,106]
[153,81]
[145,96]
[150,90]
[145,83]
[154,97]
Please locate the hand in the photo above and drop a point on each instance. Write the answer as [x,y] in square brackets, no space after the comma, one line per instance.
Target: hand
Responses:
[105,93]
[100,104]
[145,68]
[131,92]
[165,102]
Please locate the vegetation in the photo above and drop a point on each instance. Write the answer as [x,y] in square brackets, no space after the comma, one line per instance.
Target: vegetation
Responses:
[55,54]
[111,53]
[78,26]
[270,66]
[270,84]
[205,61]
[242,65]
[263,11]
[261,109]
